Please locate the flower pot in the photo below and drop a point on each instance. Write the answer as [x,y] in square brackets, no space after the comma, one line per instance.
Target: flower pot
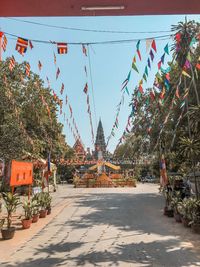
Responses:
[35,218]
[177,217]
[43,213]
[8,233]
[195,228]
[48,211]
[26,223]
[185,221]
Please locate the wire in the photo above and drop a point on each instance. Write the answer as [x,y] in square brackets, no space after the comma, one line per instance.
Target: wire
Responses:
[82,29]
[162,37]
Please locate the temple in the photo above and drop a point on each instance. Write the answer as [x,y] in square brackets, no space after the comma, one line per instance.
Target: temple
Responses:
[100,145]
[79,150]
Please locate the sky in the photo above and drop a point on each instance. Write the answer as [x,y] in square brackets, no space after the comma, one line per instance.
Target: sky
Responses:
[110,63]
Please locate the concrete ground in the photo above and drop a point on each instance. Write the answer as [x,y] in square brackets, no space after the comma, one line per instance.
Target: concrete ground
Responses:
[104,227]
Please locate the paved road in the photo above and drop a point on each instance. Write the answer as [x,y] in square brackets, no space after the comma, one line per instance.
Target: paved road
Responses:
[110,227]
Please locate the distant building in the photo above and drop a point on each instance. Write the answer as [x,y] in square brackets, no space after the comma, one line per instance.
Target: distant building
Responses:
[100,145]
[79,150]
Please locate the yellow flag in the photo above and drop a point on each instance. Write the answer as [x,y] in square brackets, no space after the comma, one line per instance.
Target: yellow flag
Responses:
[186,74]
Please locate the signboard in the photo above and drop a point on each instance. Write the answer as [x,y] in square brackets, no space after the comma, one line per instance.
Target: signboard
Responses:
[21,173]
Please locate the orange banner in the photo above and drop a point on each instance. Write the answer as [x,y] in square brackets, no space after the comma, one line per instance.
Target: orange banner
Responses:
[21,173]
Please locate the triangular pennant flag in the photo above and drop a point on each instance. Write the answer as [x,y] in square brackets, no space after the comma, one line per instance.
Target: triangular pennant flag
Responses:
[139,55]
[152,95]
[85,69]
[129,75]
[163,59]
[39,65]
[151,55]
[146,71]
[127,90]
[186,74]
[148,44]
[57,73]
[140,89]
[62,88]
[144,77]
[21,45]
[182,104]
[84,50]
[138,45]
[166,49]
[54,57]
[11,63]
[153,45]
[134,67]
[149,63]
[85,90]
[30,44]
[159,64]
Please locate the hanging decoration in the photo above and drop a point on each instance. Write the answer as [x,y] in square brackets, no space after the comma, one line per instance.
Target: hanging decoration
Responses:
[62,48]
[11,63]
[28,68]
[21,45]
[5,42]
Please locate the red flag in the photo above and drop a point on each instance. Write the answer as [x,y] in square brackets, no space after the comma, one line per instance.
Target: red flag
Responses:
[39,65]
[159,64]
[139,55]
[21,45]
[141,89]
[28,68]
[11,63]
[30,44]
[4,44]
[62,48]
[62,88]
[153,45]
[57,73]
[85,90]
[84,50]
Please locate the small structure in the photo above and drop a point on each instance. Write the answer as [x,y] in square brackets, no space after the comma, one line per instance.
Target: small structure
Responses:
[79,150]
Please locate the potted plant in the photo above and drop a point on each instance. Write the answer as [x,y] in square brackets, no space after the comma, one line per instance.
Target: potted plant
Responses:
[42,204]
[195,223]
[35,211]
[27,220]
[174,203]
[11,203]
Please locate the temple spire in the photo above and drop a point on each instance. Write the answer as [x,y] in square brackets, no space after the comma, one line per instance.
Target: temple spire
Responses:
[100,144]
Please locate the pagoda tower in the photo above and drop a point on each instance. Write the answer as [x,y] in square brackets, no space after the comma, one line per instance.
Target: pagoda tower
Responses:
[100,144]
[79,150]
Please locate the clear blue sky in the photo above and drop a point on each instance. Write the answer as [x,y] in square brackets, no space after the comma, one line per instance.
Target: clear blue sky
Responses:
[110,63]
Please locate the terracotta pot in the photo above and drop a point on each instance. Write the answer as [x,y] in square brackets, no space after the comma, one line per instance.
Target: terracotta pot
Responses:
[43,213]
[8,233]
[26,223]
[177,217]
[48,211]
[185,222]
[35,218]
[195,228]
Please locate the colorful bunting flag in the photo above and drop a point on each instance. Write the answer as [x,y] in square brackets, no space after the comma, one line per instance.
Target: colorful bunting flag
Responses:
[66,99]
[198,66]
[134,67]
[149,63]
[28,68]
[85,70]
[146,71]
[62,88]
[159,64]
[62,48]
[141,89]
[177,93]
[84,50]
[11,63]
[151,55]
[163,58]
[57,73]
[152,95]
[21,45]
[166,49]
[148,44]
[54,58]
[144,77]
[39,65]
[153,45]
[85,90]
[5,42]
[30,44]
